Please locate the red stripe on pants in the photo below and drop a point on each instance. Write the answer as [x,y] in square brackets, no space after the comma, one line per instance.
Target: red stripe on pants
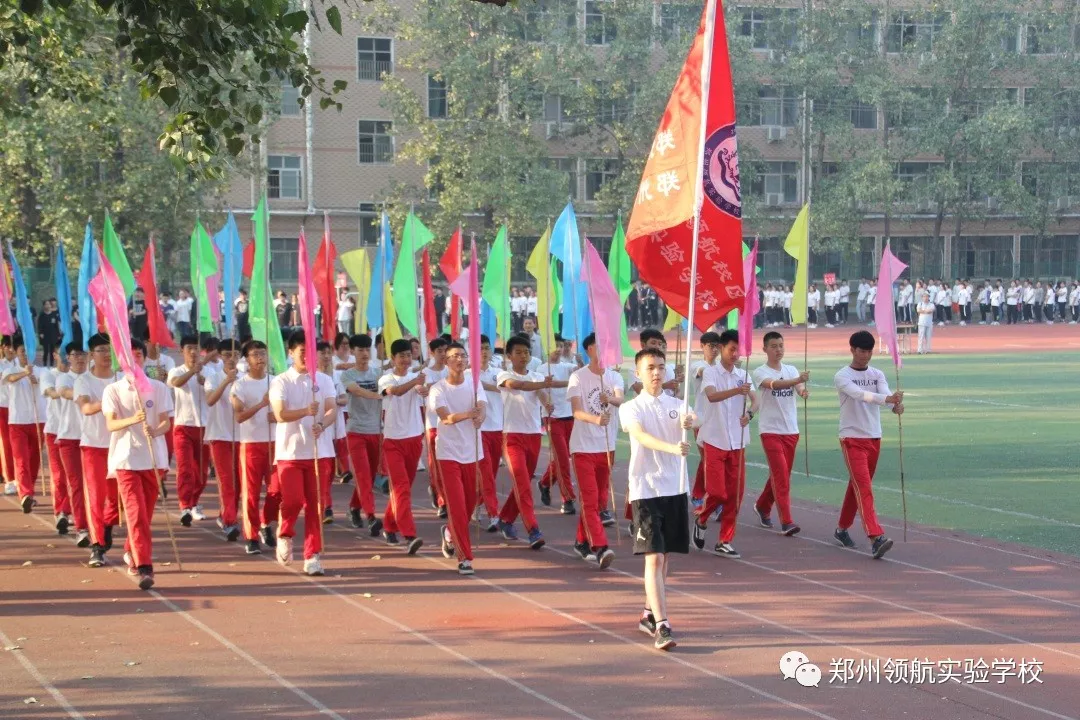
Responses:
[489,469]
[459,489]
[139,490]
[71,458]
[780,454]
[723,486]
[594,483]
[61,497]
[187,442]
[559,469]
[299,490]
[26,454]
[861,456]
[100,493]
[364,453]
[256,469]
[341,451]
[226,457]
[401,458]
[6,459]
[522,454]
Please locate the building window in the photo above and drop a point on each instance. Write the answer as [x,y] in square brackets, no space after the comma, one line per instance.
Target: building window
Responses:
[284,267]
[912,111]
[436,98]
[599,26]
[1051,180]
[916,177]
[678,21]
[777,178]
[1053,256]
[983,256]
[553,108]
[374,57]
[911,32]
[863,115]
[536,25]
[375,142]
[774,106]
[769,28]
[597,173]
[283,176]
[290,96]
[570,167]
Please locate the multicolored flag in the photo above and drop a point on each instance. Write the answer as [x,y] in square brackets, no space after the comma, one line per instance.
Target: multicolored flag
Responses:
[884,312]
[107,291]
[308,298]
[751,304]
[63,298]
[797,246]
[113,249]
[22,307]
[450,264]
[89,263]
[539,266]
[381,273]
[323,276]
[155,318]
[414,237]
[606,307]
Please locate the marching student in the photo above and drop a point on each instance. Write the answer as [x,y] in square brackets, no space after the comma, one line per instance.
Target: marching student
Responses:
[458,450]
[673,374]
[250,400]
[560,426]
[778,427]
[363,431]
[27,412]
[862,390]
[403,442]
[725,439]
[61,497]
[304,406]
[7,462]
[332,443]
[522,401]
[68,433]
[341,361]
[189,426]
[925,309]
[703,409]
[491,434]
[135,423]
[221,437]
[652,420]
[592,392]
[434,371]
[99,490]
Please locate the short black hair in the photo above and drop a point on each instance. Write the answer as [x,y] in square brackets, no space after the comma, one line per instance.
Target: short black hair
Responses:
[771,335]
[710,338]
[378,338]
[73,347]
[401,345]
[650,334]
[558,337]
[5,341]
[339,339]
[17,341]
[588,342]
[447,337]
[360,341]
[296,340]
[455,346]
[436,344]
[137,344]
[252,345]
[517,341]
[485,340]
[729,336]
[322,345]
[649,352]
[99,339]
[209,343]
[862,340]
[186,340]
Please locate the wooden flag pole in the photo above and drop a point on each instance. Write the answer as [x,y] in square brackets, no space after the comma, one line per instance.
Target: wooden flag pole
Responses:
[900,428]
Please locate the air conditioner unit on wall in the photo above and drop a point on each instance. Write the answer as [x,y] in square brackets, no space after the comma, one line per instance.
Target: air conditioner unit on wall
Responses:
[552,129]
[775,133]
[1063,203]
[993,203]
[774,199]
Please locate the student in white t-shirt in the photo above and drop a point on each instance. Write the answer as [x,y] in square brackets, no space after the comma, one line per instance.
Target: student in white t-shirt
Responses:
[560,426]
[68,432]
[673,374]
[813,305]
[433,371]
[26,412]
[710,351]
[862,390]
[61,498]
[221,437]
[860,300]
[657,489]
[333,446]
[925,311]
[778,426]
[461,409]
[491,434]
[189,428]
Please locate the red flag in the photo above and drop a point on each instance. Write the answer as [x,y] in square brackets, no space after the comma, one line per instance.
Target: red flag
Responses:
[155,319]
[660,233]
[307,295]
[249,259]
[323,277]
[430,322]
[450,263]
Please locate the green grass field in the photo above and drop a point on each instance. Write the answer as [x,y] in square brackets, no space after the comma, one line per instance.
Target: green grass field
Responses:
[990,446]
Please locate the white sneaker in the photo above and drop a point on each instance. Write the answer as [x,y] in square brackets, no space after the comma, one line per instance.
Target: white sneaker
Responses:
[197,513]
[11,489]
[962,323]
[1072,322]
[312,566]
[284,550]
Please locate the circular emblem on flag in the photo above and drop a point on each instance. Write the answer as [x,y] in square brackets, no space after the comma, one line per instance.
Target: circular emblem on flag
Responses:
[722,171]
[149,404]
[673,414]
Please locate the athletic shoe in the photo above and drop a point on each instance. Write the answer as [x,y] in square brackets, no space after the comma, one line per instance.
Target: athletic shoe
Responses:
[790,529]
[28,504]
[185,517]
[232,532]
[108,538]
[433,497]
[881,546]
[129,563]
[312,566]
[284,550]
[346,477]
[376,526]
[607,518]
[197,513]
[82,538]
[844,538]
[962,323]
[413,544]
[355,519]
[568,508]
[447,543]
[391,538]
[493,525]
[62,524]
[727,550]
[465,568]
[507,530]
[583,551]
[941,324]
[697,502]
[630,528]
[545,494]
[604,557]
[441,512]
[11,489]
[328,515]
[829,325]
[97,556]
[536,539]
[647,623]
[763,519]
[664,640]
[253,548]
[146,577]
[268,537]
[699,535]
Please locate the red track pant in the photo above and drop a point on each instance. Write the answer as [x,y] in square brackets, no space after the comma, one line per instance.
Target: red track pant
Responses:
[459,490]
[71,458]
[699,476]
[401,458]
[27,456]
[6,461]
[299,491]
[559,469]
[100,493]
[256,469]
[60,496]
[724,484]
[326,479]
[434,474]
[226,457]
[364,453]
[861,456]
[190,476]
[341,452]
[522,454]
[169,439]
[139,491]
[489,469]
[780,454]
[594,484]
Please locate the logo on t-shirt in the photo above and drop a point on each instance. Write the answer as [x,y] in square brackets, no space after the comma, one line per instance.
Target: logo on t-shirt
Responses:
[149,404]
[673,414]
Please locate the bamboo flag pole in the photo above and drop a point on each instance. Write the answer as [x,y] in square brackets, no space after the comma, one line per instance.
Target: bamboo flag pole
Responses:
[900,429]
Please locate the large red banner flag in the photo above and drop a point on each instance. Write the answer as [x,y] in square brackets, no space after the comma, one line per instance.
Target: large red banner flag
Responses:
[155,318]
[694,163]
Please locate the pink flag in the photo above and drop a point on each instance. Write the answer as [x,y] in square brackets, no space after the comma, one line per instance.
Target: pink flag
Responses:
[884,312]
[606,308]
[308,300]
[7,322]
[751,303]
[467,285]
[108,294]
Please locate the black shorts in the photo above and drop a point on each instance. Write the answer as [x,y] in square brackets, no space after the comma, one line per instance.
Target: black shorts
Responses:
[661,525]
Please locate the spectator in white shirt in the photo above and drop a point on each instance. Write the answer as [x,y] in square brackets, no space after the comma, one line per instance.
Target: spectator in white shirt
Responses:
[925,310]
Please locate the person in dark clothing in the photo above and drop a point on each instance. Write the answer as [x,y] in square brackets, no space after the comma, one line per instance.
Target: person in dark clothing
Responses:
[633,307]
[440,308]
[138,319]
[243,309]
[48,328]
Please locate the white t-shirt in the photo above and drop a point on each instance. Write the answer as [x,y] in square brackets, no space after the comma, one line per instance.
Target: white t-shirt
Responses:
[296,440]
[964,296]
[871,295]
[559,372]
[862,392]
[493,421]
[995,297]
[95,433]
[250,392]
[4,365]
[1029,295]
[652,473]
[189,399]
[1012,295]
[521,408]
[69,424]
[52,407]
[328,389]
[518,304]
[345,310]
[863,289]
[830,298]
[26,404]
[906,294]
[402,418]
[585,385]
[724,430]
[943,297]
[925,319]
[813,299]
[431,419]
[128,448]
[219,417]
[162,361]
[182,309]
[844,293]
[339,419]
[779,413]
[531,305]
[459,442]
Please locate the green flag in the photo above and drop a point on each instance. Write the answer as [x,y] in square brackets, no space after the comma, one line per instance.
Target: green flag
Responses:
[619,270]
[203,265]
[556,304]
[114,251]
[413,238]
[496,289]
[261,316]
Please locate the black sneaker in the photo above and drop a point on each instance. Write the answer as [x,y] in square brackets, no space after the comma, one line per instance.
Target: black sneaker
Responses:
[376,526]
[568,508]
[434,497]
[790,529]
[583,551]
[232,533]
[441,512]
[146,577]
[545,494]
[82,538]
[413,544]
[763,519]
[699,535]
[604,557]
[727,550]
[62,524]
[465,568]
[185,517]
[28,504]
[391,538]
[253,548]
[843,538]
[881,546]
[108,538]
[355,519]
[97,556]
[647,623]
[328,515]
[446,546]
[607,518]
[664,639]
[269,538]
[346,477]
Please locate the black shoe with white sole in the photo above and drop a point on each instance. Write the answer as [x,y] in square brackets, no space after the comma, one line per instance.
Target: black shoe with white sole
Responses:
[346,478]
[604,557]
[881,546]
[647,623]
[185,517]
[664,639]
[146,577]
[607,519]
[568,508]
[62,524]
[545,494]
[28,504]
[355,519]
[97,556]
[253,548]
[413,544]
[726,550]
[583,551]
[391,538]
[790,529]
[844,538]
[269,538]
[699,535]
[447,545]
[376,526]
[763,519]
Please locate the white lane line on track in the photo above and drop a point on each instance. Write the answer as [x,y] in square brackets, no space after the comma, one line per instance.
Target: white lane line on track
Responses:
[41,680]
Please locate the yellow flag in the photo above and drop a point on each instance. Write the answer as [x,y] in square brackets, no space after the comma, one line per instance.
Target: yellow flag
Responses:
[797,246]
[358,267]
[672,320]
[539,266]
[392,329]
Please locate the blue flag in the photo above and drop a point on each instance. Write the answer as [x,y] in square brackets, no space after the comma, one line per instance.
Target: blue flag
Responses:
[227,241]
[488,321]
[22,308]
[566,246]
[381,273]
[63,298]
[88,268]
